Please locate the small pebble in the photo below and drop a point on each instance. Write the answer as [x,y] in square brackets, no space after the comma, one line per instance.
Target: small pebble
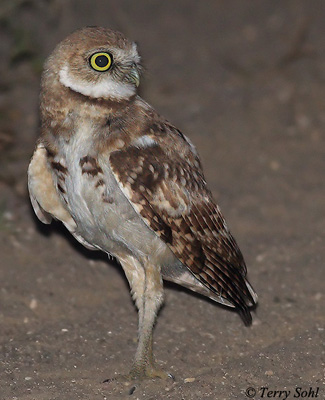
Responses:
[189,380]
[260,257]
[269,373]
[8,216]
[274,165]
[33,304]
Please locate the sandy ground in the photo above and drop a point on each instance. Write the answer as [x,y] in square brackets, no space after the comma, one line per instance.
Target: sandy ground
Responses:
[245,80]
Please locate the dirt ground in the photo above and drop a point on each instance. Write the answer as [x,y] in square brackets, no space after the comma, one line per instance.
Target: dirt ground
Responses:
[245,80]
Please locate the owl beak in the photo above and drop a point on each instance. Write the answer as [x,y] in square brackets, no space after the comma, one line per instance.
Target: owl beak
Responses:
[134,76]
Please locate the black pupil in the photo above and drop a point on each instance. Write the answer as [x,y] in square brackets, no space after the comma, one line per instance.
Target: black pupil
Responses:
[101,61]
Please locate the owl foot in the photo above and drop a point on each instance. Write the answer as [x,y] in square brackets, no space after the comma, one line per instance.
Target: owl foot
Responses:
[139,373]
[149,372]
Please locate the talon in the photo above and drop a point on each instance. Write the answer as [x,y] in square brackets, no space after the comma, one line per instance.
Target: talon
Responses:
[149,372]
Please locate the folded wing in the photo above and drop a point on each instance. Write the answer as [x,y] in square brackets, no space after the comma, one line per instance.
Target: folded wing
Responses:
[170,194]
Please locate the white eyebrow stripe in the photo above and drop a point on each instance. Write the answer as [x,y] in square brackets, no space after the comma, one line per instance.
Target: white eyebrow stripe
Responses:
[131,56]
[144,141]
[105,89]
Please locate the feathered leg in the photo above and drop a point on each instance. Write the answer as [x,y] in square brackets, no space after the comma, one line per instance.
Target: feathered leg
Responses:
[147,291]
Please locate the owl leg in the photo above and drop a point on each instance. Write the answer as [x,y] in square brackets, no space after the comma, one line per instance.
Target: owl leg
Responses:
[147,290]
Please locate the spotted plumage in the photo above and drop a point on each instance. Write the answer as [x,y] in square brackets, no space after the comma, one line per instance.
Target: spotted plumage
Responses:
[124,180]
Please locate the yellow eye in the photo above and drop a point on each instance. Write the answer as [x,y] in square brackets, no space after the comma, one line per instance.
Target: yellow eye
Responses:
[101,61]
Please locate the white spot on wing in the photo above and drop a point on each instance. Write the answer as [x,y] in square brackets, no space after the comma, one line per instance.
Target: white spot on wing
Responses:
[144,141]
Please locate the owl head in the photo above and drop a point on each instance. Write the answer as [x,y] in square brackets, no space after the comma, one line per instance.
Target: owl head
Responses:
[96,62]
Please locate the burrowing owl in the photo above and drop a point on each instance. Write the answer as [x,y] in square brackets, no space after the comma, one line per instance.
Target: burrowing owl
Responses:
[124,180]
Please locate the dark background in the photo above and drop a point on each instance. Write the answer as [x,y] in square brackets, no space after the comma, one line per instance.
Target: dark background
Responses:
[245,80]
